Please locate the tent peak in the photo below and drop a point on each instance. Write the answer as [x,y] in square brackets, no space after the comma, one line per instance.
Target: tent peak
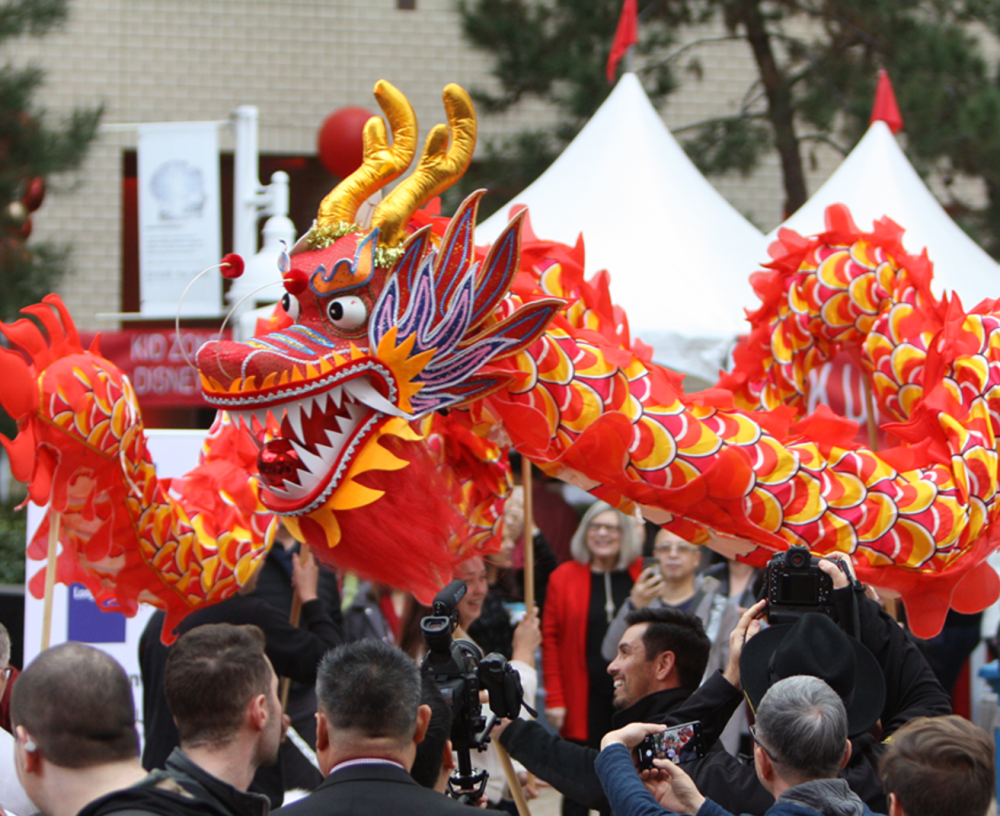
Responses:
[885,108]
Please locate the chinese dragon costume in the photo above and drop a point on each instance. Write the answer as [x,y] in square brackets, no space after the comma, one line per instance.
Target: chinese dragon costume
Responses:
[373,417]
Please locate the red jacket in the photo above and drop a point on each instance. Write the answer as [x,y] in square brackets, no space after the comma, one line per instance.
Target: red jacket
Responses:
[564,643]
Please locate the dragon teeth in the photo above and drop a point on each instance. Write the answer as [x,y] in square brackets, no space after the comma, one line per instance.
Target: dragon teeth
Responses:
[314,463]
[337,395]
[261,417]
[319,401]
[363,391]
[293,411]
[357,412]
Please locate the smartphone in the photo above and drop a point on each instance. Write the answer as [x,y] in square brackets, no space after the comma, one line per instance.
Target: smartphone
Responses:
[681,743]
[651,564]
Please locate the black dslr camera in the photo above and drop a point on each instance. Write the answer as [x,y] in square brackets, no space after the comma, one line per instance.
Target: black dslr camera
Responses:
[796,585]
[460,670]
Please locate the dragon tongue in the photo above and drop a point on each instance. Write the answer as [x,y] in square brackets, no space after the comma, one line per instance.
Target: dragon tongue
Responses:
[278,462]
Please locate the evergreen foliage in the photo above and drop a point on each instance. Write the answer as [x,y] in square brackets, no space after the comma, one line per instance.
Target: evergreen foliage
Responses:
[554,50]
[13,529]
[31,148]
[817,63]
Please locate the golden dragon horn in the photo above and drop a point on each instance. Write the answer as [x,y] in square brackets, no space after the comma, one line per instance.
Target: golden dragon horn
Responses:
[439,167]
[381,163]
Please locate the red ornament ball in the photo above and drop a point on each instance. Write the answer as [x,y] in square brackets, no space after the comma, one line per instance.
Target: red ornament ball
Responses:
[296,280]
[340,140]
[34,193]
[232,266]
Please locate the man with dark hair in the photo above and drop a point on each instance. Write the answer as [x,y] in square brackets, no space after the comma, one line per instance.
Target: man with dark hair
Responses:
[800,746]
[294,652]
[369,724]
[74,729]
[669,630]
[223,694]
[435,760]
[660,662]
[939,766]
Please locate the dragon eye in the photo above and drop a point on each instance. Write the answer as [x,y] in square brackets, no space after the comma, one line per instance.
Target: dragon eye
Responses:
[347,313]
[290,304]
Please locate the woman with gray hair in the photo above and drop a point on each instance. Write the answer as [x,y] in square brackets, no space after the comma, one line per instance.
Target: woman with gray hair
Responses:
[583,596]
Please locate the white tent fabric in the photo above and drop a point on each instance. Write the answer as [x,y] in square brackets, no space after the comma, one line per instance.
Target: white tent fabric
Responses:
[876,180]
[679,255]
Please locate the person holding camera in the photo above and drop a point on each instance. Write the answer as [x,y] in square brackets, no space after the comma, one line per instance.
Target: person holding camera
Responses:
[855,647]
[369,724]
[661,659]
[800,745]
[526,638]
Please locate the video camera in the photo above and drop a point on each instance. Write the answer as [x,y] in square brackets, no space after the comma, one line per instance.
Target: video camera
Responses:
[796,585]
[460,670]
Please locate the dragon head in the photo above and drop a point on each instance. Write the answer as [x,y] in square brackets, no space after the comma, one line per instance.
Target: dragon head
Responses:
[385,325]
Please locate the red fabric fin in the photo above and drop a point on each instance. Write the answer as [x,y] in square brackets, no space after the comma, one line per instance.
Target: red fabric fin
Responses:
[19,395]
[908,457]
[827,429]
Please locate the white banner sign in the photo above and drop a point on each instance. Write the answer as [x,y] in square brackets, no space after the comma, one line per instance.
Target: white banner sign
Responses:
[180,225]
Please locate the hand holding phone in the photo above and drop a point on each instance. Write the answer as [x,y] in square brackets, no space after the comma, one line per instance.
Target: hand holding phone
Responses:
[681,743]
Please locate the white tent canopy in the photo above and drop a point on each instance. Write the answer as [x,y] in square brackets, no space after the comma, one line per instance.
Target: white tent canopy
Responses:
[876,180]
[679,255]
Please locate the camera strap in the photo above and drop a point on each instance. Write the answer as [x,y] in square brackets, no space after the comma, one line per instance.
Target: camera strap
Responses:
[856,588]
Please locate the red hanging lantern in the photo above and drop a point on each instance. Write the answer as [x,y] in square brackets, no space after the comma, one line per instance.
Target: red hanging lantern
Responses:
[340,140]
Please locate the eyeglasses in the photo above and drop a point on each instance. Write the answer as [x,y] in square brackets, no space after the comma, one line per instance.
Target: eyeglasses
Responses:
[680,549]
[753,733]
[610,529]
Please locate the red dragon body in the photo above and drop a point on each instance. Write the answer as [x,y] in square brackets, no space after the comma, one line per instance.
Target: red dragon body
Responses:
[373,420]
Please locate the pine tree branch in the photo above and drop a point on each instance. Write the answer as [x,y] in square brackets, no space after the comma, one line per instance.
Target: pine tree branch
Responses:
[719,120]
[693,44]
[34,17]
[823,138]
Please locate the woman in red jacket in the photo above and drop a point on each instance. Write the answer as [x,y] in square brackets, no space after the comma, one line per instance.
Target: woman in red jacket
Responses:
[583,596]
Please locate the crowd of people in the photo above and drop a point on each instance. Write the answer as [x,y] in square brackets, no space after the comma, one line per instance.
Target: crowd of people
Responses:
[833,714]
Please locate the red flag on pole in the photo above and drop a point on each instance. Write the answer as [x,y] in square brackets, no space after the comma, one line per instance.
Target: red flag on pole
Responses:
[626,35]
[885,108]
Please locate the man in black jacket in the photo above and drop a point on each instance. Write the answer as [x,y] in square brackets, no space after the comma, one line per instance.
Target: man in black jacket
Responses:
[224,695]
[910,690]
[661,659]
[368,726]
[293,652]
